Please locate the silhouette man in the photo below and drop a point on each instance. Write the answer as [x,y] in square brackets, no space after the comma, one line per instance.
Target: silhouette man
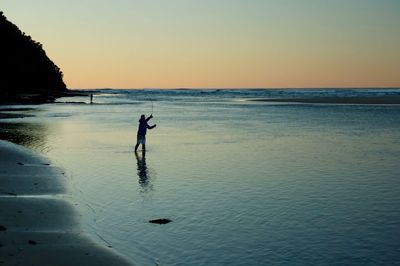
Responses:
[142,130]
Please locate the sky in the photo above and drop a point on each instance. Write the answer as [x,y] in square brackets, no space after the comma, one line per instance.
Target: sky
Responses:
[216,43]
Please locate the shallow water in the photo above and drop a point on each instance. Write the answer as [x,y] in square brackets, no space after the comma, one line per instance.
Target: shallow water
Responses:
[244,183]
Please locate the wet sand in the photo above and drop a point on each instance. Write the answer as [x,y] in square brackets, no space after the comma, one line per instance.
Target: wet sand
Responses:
[336,100]
[37,225]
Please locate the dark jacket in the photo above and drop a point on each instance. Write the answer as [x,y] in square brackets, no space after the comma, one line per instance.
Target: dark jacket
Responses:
[143,126]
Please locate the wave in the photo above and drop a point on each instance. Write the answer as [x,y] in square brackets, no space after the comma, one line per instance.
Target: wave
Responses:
[142,96]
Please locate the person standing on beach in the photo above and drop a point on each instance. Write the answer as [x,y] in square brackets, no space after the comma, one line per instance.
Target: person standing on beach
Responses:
[142,130]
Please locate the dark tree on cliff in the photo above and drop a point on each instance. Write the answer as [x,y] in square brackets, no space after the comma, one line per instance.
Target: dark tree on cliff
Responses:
[24,65]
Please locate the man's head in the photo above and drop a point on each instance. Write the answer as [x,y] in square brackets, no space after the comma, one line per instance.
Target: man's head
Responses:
[142,117]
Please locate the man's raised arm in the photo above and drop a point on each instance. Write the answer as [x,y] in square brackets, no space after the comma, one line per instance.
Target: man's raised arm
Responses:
[148,118]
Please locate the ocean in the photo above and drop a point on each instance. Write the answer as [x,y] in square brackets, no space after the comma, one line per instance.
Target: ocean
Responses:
[243,182]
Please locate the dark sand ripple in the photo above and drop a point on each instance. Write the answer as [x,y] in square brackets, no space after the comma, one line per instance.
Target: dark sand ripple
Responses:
[37,226]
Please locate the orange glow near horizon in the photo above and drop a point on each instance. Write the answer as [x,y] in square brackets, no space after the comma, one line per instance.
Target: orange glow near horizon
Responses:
[216,44]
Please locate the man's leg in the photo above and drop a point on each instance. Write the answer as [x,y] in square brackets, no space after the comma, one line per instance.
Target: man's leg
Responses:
[136,146]
[144,147]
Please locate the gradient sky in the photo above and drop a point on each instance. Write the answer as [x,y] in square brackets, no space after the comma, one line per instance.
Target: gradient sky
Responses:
[216,43]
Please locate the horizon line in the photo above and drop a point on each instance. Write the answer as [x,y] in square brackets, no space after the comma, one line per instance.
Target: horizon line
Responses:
[235,88]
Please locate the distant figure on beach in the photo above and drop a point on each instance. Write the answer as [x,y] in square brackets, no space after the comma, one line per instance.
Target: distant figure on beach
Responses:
[91,98]
[142,130]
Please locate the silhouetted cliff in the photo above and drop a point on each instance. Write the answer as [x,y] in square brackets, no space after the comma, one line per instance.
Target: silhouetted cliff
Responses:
[26,73]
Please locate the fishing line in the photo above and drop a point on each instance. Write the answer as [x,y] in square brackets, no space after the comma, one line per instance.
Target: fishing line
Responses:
[152,106]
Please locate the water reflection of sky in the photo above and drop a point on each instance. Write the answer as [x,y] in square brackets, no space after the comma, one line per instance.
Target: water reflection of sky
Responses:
[242,182]
[31,135]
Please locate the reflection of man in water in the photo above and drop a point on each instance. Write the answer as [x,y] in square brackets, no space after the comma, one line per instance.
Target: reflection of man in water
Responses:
[142,170]
[141,134]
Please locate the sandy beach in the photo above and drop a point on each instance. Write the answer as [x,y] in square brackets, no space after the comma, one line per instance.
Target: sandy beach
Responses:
[38,226]
[336,100]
